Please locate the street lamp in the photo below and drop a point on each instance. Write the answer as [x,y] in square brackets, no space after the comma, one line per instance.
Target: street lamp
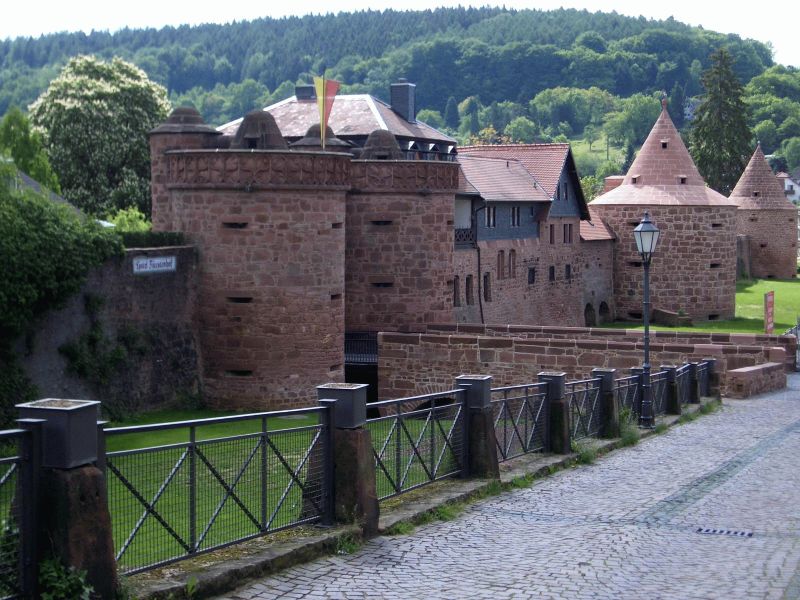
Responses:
[646,235]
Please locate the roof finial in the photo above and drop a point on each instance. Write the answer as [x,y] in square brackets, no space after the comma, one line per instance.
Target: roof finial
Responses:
[663,100]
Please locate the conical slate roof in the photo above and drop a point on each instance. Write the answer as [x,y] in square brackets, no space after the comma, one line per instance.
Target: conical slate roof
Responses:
[759,188]
[663,173]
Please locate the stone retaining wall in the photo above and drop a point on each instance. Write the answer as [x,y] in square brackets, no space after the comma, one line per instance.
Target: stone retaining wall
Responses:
[750,381]
[411,364]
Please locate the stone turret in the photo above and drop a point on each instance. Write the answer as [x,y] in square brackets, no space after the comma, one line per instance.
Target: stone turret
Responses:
[767,219]
[694,269]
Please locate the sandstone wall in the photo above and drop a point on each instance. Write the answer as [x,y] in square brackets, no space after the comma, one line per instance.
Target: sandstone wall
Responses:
[399,250]
[694,268]
[269,227]
[772,236]
[411,364]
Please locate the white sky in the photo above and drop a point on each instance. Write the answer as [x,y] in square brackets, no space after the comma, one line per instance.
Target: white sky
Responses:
[774,22]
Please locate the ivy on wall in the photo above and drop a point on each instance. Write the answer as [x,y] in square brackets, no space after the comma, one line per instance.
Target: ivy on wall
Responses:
[46,250]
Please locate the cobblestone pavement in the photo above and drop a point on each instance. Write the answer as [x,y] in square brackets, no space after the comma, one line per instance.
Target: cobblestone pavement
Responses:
[623,528]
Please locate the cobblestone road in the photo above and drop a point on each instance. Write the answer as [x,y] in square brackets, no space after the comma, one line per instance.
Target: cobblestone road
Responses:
[623,528]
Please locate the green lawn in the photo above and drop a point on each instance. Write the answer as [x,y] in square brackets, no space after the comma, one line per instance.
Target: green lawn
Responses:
[749,309]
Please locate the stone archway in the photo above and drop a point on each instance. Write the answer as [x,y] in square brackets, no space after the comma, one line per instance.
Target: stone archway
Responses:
[589,317]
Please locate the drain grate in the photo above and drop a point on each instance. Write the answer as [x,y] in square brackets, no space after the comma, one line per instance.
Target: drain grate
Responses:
[733,532]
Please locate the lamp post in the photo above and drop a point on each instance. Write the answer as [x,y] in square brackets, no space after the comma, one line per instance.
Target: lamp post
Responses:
[646,235]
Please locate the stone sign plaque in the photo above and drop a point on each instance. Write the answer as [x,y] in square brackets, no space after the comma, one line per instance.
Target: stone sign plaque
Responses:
[144,265]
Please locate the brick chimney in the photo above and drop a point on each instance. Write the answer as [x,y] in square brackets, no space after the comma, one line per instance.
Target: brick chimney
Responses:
[403,97]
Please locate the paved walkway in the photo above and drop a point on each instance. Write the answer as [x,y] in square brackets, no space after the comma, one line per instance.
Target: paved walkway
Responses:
[623,528]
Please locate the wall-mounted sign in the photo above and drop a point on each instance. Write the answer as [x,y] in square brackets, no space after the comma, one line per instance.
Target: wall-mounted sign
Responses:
[769,312]
[143,265]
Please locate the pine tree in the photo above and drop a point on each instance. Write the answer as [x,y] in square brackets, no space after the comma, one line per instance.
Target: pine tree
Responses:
[451,117]
[720,139]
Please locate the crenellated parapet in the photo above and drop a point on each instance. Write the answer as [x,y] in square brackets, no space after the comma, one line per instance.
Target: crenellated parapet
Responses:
[256,169]
[403,176]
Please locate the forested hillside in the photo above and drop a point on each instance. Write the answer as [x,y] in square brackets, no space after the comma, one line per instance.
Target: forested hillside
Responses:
[482,73]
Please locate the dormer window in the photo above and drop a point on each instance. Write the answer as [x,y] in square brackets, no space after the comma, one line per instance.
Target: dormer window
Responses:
[664,144]
[635,179]
[756,194]
[682,179]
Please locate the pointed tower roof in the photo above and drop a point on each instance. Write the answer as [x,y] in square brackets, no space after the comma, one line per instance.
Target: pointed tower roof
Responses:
[759,188]
[664,173]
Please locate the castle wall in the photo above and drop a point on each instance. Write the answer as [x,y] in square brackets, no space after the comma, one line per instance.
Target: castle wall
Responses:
[399,251]
[146,353]
[269,227]
[413,364]
[693,269]
[598,281]
[773,241]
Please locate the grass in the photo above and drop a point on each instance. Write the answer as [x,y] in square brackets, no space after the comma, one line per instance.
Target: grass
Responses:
[586,454]
[749,309]
[589,160]
[155,465]
[628,432]
[661,428]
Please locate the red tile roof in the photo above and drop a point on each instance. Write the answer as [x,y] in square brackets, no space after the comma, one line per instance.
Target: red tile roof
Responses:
[655,176]
[758,178]
[501,180]
[544,161]
[351,115]
[595,230]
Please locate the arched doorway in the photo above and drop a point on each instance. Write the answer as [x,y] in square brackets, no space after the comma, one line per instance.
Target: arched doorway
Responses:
[605,313]
[589,318]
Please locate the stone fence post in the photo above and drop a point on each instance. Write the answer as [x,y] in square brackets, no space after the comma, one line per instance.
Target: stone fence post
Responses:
[673,400]
[72,516]
[610,408]
[694,383]
[355,497]
[558,410]
[481,439]
[714,378]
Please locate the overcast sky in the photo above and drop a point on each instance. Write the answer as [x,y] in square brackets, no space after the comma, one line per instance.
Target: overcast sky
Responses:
[775,22]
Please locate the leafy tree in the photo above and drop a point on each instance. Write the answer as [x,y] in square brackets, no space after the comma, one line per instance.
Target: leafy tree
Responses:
[767,134]
[95,117]
[592,187]
[591,135]
[521,130]
[130,219]
[431,117]
[451,113]
[791,152]
[24,146]
[720,137]
[789,128]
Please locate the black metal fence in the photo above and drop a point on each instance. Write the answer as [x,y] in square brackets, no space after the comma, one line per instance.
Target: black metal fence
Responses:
[683,381]
[659,384]
[361,347]
[585,408]
[16,512]
[418,440]
[176,500]
[520,419]
[702,378]
[626,393]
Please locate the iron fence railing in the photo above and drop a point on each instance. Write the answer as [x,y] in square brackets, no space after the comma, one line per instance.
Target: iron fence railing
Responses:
[626,395]
[683,381]
[360,347]
[702,378]
[203,491]
[12,501]
[659,388]
[418,440]
[465,237]
[520,419]
[585,408]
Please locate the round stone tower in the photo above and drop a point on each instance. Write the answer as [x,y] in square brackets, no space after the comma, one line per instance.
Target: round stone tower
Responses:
[767,219]
[268,224]
[694,269]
